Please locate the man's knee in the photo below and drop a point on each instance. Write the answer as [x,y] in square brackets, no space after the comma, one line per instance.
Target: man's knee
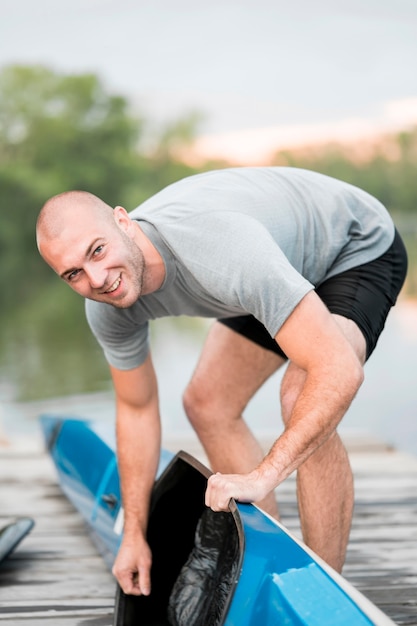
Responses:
[197,403]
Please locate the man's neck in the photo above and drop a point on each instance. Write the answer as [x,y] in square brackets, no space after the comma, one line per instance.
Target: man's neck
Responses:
[154,264]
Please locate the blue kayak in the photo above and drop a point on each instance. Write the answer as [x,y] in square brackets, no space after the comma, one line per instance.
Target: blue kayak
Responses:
[240,568]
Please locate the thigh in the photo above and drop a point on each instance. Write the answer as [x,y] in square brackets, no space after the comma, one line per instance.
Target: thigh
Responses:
[232,368]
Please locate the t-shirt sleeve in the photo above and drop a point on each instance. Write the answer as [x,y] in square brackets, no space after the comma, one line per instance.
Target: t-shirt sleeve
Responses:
[125,342]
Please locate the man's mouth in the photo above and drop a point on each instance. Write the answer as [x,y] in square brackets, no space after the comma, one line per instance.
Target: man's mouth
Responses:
[114,286]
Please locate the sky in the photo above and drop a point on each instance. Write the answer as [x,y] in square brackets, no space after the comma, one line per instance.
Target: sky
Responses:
[261,72]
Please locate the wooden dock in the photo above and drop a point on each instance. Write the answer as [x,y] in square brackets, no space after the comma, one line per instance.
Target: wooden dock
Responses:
[56,576]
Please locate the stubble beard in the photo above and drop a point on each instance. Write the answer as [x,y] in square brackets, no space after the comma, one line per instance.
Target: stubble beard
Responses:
[133,275]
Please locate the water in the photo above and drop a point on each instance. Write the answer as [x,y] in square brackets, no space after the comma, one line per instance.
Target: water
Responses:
[385,407]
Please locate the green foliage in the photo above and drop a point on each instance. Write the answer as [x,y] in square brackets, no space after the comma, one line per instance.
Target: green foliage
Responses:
[61,132]
[66,131]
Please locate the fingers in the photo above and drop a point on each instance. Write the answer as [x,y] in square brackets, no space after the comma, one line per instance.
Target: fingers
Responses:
[132,568]
[144,582]
[221,488]
[219,492]
[134,583]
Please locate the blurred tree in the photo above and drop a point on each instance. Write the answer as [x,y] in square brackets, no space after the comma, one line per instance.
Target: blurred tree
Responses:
[60,132]
[67,130]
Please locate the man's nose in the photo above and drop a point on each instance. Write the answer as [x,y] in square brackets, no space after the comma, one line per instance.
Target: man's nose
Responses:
[96,275]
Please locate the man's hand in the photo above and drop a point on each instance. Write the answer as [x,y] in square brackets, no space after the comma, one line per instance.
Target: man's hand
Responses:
[241,487]
[132,566]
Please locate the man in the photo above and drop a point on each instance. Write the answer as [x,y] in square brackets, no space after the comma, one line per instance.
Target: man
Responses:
[299,268]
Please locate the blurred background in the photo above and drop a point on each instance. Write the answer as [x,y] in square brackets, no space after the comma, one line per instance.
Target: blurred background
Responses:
[123,97]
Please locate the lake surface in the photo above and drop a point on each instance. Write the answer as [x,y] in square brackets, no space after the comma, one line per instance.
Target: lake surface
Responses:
[385,407]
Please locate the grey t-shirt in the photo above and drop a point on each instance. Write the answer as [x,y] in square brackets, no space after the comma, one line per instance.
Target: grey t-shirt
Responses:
[243,240]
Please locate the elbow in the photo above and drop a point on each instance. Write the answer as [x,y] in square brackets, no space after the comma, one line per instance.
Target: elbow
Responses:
[348,376]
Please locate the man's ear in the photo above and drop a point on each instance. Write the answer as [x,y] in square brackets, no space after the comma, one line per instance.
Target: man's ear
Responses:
[121,217]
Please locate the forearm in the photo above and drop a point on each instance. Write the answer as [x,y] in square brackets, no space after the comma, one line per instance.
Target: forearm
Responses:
[138,447]
[317,411]
[314,418]
[138,441]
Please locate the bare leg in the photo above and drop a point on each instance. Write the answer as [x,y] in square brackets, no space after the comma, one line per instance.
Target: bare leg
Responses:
[325,499]
[230,371]
[324,482]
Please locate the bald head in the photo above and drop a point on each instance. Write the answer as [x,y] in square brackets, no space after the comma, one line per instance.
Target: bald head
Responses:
[71,206]
[99,251]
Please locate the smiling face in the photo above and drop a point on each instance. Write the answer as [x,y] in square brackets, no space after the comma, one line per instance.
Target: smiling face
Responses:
[92,247]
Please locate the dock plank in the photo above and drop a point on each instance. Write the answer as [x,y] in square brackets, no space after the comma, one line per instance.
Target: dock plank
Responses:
[55,576]
[382,555]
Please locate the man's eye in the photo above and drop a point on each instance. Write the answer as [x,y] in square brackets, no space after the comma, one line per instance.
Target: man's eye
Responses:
[73,275]
[98,250]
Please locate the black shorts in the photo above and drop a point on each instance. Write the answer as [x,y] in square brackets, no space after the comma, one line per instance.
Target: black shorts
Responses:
[364,294]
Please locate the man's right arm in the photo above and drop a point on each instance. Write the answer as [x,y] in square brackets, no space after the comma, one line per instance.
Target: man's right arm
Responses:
[138,448]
